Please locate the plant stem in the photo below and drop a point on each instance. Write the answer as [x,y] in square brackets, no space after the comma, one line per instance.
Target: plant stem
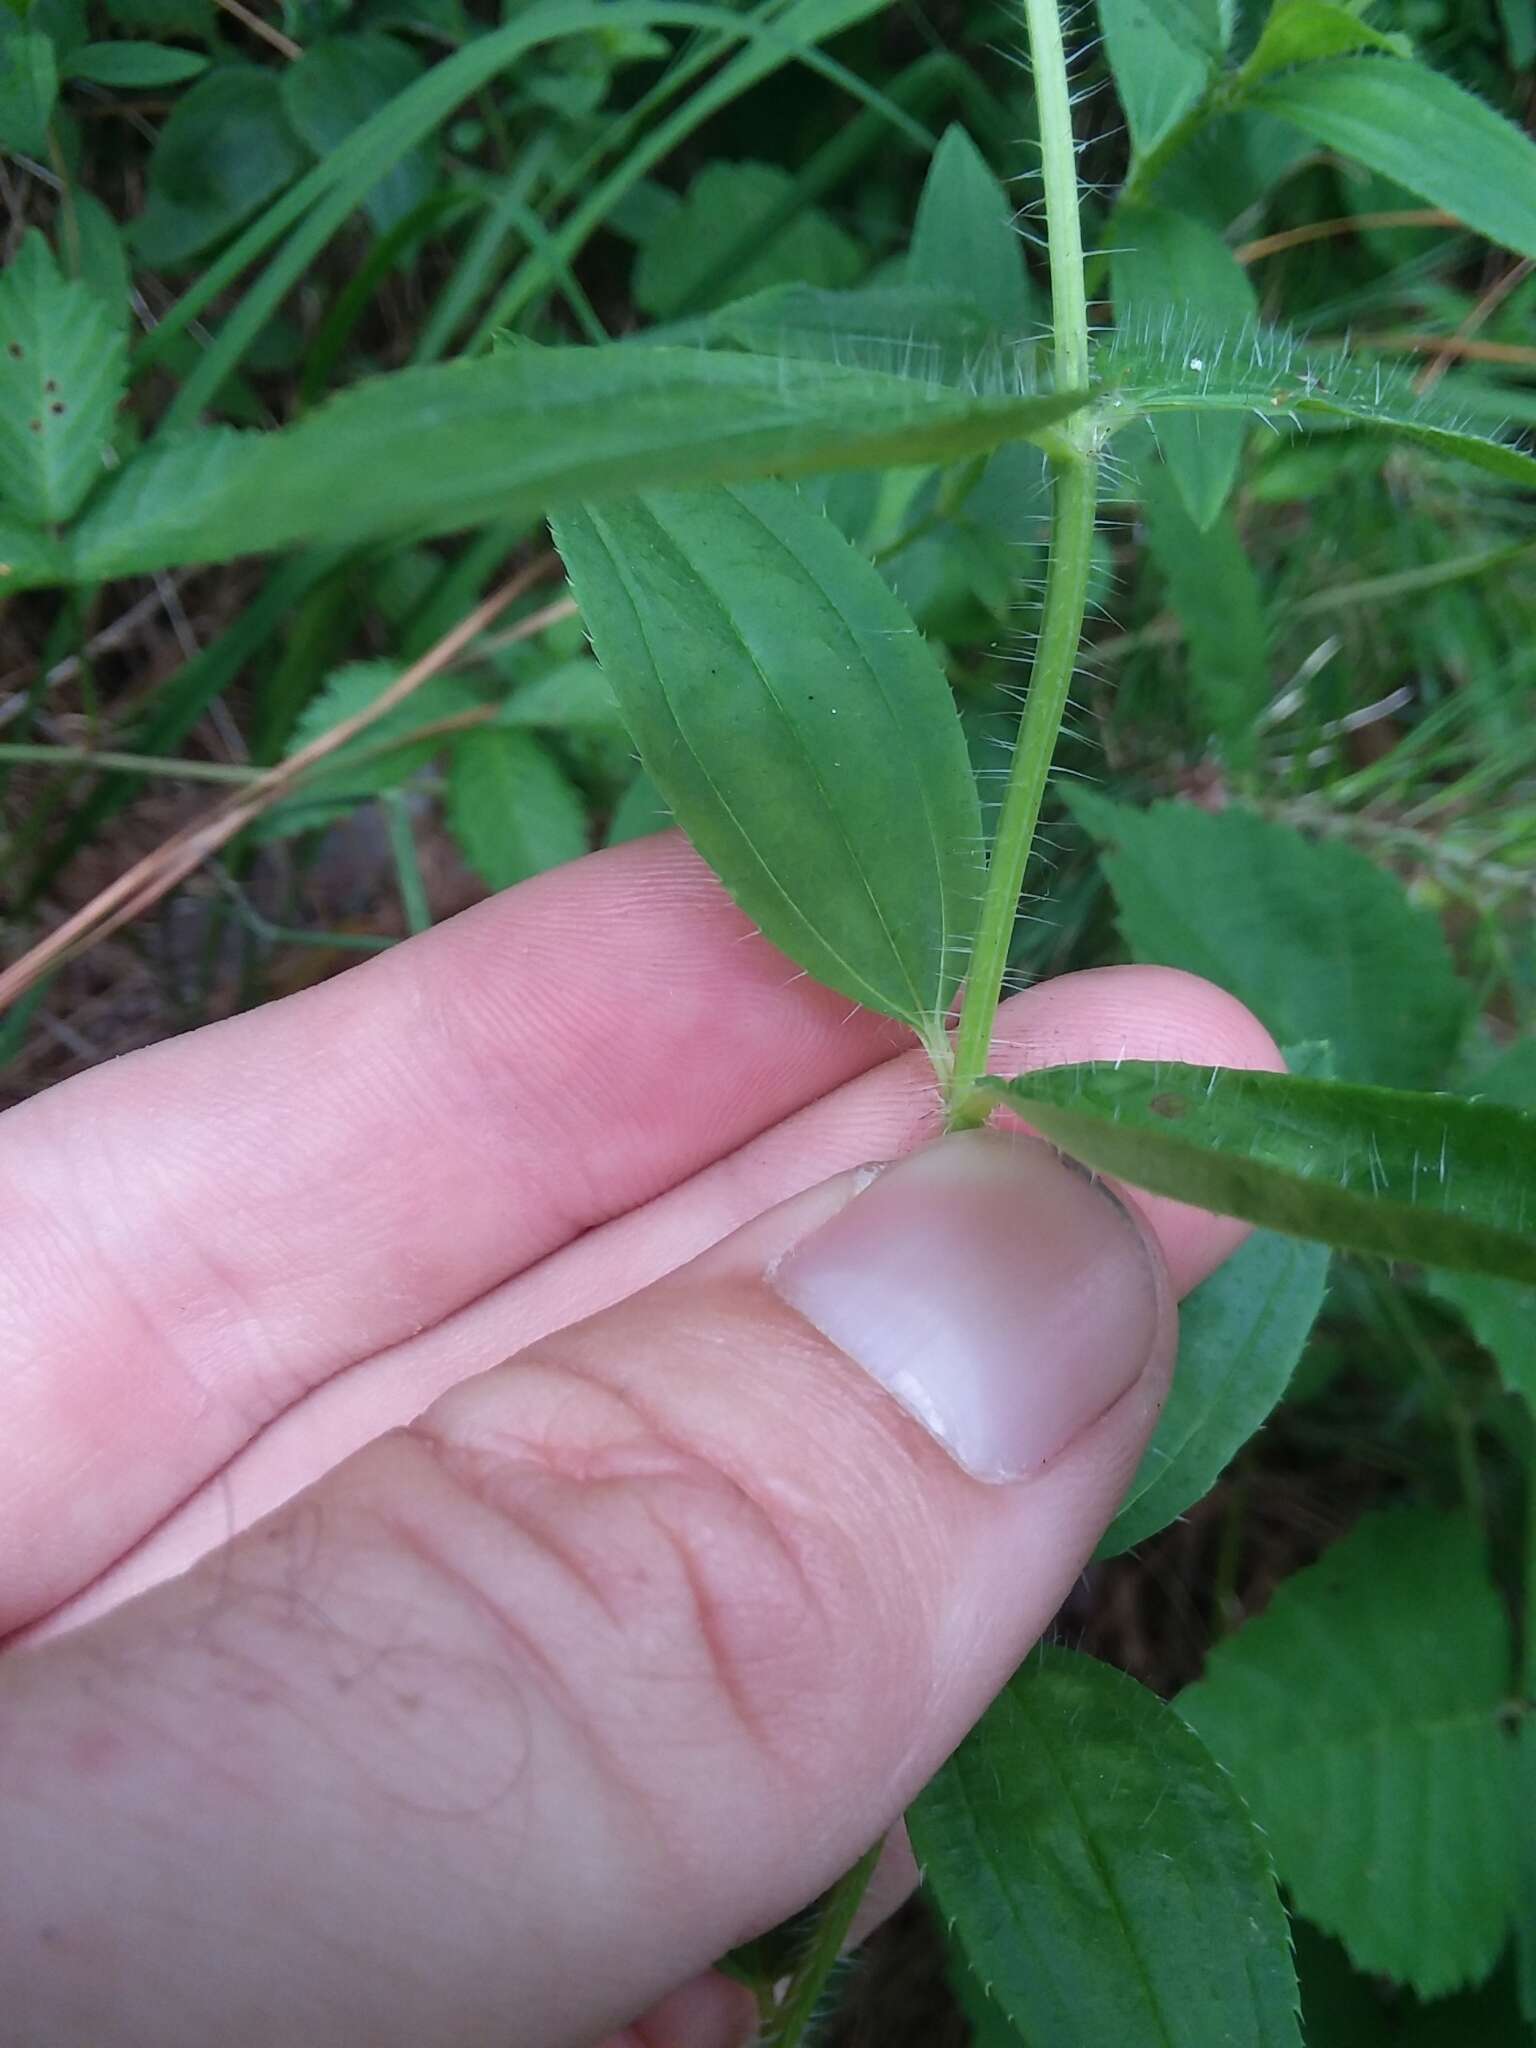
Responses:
[402,845]
[171,769]
[1058,167]
[1074,493]
[788,2022]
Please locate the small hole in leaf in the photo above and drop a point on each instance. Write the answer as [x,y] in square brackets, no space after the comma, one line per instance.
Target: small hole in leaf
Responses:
[14,350]
[35,426]
[1170,1106]
[50,383]
[57,405]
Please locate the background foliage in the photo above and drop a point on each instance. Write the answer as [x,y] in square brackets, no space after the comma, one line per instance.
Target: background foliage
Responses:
[1301,761]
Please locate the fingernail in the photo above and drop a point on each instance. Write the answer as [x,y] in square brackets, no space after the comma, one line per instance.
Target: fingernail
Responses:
[1005,1298]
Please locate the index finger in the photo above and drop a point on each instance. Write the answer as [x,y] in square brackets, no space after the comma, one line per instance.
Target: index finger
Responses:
[199,1234]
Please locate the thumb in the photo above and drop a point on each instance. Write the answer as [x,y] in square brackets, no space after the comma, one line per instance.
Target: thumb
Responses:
[622,1653]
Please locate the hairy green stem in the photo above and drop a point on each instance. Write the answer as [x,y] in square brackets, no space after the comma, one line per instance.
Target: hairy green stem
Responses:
[1058,169]
[1073,503]
[1066,596]
[788,2022]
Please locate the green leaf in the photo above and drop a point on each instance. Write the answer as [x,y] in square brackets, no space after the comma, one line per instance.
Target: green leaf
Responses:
[29,85]
[722,200]
[511,808]
[1302,31]
[1104,1881]
[61,21]
[1187,367]
[1227,164]
[372,763]
[1216,595]
[61,375]
[1169,267]
[1501,1314]
[908,330]
[1311,935]
[988,2027]
[799,728]
[225,150]
[100,259]
[1428,1177]
[336,86]
[1241,1334]
[964,242]
[134,64]
[1341,2008]
[28,557]
[1421,130]
[1204,25]
[574,696]
[1360,1716]
[1159,73]
[432,450]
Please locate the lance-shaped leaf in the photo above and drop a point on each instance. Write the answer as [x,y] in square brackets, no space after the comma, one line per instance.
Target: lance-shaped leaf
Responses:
[1422,130]
[799,728]
[1500,1313]
[1179,365]
[434,450]
[1101,1874]
[1160,68]
[1241,1334]
[908,330]
[964,242]
[1435,1178]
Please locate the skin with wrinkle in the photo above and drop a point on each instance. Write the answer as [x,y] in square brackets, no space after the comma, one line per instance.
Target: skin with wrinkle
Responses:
[541,1702]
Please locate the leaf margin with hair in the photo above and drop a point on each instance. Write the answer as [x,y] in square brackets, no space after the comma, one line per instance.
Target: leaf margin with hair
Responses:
[747,583]
[1140,373]
[1297,1155]
[1041,1909]
[672,417]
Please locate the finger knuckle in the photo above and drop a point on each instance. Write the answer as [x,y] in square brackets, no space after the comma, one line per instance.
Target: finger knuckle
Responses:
[668,1599]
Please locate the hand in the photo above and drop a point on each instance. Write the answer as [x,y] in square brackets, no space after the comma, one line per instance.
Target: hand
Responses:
[323,1724]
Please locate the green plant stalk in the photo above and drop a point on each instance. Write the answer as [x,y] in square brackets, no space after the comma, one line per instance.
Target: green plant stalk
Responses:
[787,2023]
[402,846]
[1074,497]
[45,756]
